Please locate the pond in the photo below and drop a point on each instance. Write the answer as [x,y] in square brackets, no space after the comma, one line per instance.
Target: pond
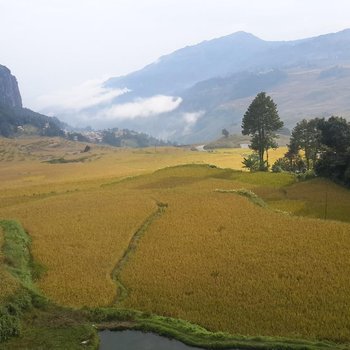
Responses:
[137,340]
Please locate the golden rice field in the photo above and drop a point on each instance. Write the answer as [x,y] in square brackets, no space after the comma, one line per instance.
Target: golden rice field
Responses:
[79,238]
[215,259]
[26,170]
[219,260]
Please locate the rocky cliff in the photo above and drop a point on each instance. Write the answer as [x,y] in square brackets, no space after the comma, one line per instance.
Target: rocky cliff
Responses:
[16,120]
[9,91]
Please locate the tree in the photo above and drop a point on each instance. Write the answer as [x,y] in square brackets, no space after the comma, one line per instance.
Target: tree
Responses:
[334,161]
[296,162]
[335,133]
[261,121]
[306,136]
[109,138]
[326,146]
[290,163]
[225,133]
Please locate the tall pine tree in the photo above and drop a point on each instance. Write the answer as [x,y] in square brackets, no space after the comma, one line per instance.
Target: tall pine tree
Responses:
[261,121]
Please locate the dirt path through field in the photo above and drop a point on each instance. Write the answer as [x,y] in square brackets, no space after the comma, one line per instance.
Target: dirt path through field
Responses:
[122,290]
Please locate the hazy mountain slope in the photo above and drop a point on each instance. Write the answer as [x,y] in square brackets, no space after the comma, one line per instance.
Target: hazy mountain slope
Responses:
[307,93]
[298,93]
[218,103]
[233,53]
[19,121]
[217,79]
[187,66]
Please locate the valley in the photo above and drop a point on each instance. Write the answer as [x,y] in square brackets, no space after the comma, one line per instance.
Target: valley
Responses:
[169,180]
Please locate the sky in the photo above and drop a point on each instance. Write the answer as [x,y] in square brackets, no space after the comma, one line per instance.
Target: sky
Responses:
[57,47]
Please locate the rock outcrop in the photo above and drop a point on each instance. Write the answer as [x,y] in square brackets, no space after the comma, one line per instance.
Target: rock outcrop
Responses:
[9,91]
[16,120]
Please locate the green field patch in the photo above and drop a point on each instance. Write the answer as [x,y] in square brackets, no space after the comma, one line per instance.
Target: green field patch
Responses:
[267,179]
[290,206]
[317,198]
[246,193]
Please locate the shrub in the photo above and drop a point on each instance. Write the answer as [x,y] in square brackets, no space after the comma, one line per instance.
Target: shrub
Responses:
[295,165]
[9,325]
[309,174]
[251,162]
[281,164]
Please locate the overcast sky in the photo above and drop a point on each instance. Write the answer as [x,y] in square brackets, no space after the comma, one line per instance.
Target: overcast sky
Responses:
[53,45]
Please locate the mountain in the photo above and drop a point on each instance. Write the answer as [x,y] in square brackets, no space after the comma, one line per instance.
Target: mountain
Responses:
[230,54]
[16,120]
[210,85]
[9,91]
[185,67]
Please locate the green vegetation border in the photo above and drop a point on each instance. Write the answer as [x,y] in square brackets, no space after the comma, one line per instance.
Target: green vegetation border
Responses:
[27,319]
[194,335]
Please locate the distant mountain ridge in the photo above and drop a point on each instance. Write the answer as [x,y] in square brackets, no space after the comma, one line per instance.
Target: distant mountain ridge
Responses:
[187,66]
[217,79]
[230,54]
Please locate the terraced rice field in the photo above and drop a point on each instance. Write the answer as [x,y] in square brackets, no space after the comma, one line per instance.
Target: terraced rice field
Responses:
[79,238]
[221,261]
[210,257]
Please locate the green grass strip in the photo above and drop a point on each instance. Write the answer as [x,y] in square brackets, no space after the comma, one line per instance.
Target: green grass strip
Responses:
[16,252]
[17,260]
[248,194]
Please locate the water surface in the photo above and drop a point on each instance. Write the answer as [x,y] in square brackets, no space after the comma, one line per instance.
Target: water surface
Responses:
[137,340]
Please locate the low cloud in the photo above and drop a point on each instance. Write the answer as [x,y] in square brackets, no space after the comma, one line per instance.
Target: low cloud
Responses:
[86,95]
[93,104]
[190,120]
[142,107]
